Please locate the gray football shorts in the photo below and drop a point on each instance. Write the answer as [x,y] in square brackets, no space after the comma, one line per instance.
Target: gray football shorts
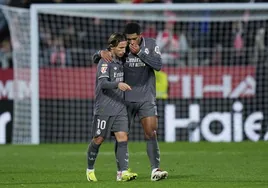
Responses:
[105,126]
[141,109]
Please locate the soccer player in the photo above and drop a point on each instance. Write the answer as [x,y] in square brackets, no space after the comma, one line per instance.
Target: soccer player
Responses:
[110,113]
[142,58]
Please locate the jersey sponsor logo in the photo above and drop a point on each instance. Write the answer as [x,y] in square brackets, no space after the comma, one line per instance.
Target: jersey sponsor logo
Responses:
[157,50]
[133,60]
[136,64]
[118,74]
[119,79]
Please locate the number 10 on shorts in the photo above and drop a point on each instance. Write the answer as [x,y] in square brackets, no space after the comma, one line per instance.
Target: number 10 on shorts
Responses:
[101,124]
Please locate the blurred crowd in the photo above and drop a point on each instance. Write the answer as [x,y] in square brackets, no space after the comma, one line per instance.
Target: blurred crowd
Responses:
[27,3]
[188,43]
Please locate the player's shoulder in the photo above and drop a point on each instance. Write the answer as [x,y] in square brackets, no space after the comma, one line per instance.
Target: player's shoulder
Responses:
[102,64]
[149,42]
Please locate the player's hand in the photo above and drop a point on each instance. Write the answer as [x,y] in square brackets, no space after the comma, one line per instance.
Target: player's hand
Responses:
[134,48]
[106,55]
[124,87]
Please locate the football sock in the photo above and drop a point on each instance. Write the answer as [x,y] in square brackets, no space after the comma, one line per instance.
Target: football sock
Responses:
[116,159]
[153,152]
[92,153]
[122,155]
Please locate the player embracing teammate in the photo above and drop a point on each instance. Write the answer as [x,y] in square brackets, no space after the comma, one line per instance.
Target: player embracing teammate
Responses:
[110,113]
[142,57]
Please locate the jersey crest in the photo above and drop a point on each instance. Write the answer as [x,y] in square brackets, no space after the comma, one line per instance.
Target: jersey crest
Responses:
[104,68]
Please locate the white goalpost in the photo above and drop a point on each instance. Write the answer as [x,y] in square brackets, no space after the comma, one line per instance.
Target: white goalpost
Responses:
[214,57]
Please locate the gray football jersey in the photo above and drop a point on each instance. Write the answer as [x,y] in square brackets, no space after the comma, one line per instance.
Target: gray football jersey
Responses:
[109,100]
[139,72]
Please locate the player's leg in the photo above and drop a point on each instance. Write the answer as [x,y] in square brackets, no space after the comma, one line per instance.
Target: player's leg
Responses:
[116,160]
[149,120]
[149,125]
[120,129]
[132,109]
[99,132]
[131,113]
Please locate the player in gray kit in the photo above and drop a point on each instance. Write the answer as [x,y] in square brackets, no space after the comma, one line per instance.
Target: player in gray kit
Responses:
[141,59]
[110,113]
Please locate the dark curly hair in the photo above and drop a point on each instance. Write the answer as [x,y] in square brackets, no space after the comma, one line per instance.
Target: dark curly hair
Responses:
[132,28]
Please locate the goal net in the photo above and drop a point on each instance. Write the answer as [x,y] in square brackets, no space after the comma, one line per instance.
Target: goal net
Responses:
[213,85]
[19,26]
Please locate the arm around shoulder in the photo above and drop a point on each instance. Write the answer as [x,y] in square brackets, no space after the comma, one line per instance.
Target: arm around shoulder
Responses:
[96,57]
[151,55]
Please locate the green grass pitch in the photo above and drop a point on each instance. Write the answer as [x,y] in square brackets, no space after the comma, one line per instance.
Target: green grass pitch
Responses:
[197,165]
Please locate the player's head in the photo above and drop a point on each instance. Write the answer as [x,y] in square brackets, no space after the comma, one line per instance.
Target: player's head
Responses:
[133,33]
[117,44]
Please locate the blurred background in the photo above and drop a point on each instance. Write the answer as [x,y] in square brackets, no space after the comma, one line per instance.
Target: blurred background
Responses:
[214,62]
[6,46]
[213,87]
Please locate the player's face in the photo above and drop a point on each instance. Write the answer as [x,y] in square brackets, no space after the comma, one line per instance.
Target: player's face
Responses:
[133,38]
[120,49]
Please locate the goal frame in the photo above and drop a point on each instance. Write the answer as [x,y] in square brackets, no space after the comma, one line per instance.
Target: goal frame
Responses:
[34,39]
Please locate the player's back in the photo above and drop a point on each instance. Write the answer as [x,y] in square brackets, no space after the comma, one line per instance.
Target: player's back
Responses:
[109,101]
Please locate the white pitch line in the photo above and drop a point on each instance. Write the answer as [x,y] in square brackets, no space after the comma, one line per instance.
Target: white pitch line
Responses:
[161,153]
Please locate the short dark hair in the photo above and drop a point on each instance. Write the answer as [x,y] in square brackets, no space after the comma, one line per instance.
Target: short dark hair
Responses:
[132,28]
[115,39]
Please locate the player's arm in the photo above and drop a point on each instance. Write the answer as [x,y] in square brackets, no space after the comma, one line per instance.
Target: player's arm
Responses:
[151,56]
[106,84]
[104,78]
[96,57]
[153,61]
[105,54]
